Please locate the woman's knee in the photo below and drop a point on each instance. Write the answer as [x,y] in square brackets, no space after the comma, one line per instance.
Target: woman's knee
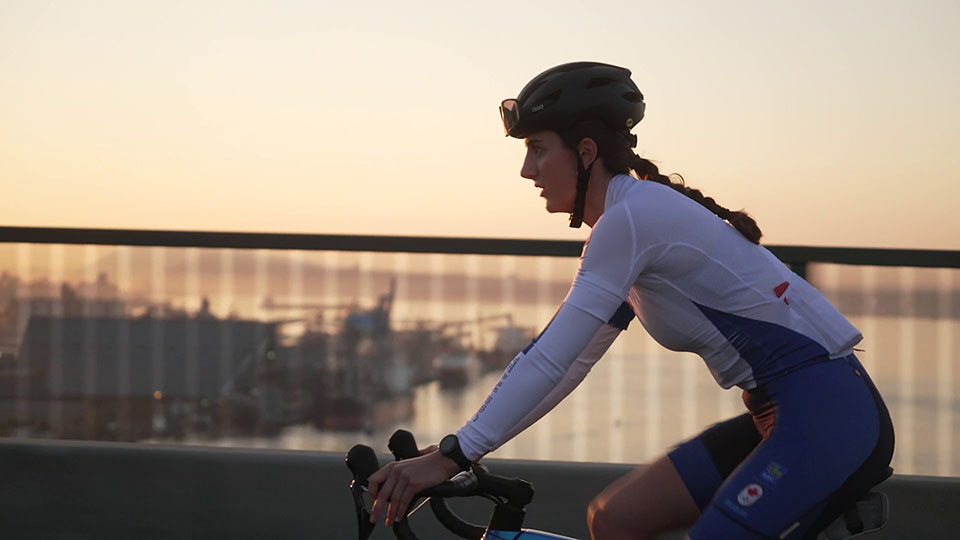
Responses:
[604,523]
[612,515]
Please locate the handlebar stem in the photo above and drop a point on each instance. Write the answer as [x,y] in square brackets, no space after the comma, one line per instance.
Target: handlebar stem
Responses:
[507,518]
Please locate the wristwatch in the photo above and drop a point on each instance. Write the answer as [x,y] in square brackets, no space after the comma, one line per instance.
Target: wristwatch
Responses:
[450,447]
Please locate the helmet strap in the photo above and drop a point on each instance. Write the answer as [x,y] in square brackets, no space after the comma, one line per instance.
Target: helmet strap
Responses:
[583,178]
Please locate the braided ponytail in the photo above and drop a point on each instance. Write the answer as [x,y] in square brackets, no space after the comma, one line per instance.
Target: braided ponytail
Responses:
[740,220]
[616,150]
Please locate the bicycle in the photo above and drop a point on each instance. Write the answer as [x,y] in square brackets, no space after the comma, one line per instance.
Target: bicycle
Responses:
[511,495]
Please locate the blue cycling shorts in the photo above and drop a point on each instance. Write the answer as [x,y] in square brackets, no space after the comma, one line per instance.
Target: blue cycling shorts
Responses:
[813,441]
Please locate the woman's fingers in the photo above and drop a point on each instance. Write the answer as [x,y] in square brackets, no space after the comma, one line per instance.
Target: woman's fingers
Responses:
[381,500]
[405,497]
[397,506]
[395,485]
[375,480]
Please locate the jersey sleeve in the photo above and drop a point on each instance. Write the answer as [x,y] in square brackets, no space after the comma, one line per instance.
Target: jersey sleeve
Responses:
[540,377]
[547,371]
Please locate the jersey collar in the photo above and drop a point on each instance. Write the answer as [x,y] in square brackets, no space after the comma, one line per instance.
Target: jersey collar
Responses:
[618,188]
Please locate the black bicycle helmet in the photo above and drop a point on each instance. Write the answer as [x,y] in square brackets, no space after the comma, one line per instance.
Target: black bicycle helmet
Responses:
[568,94]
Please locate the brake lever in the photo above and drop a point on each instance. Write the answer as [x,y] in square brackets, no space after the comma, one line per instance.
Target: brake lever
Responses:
[403,445]
[362,462]
[364,525]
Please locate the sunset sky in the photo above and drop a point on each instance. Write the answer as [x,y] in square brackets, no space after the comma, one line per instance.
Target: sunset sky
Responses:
[834,123]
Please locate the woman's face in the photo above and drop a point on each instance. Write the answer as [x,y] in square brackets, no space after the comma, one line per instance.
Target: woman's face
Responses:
[553,168]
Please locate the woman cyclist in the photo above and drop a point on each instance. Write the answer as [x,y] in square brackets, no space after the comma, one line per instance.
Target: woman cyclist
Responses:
[816,434]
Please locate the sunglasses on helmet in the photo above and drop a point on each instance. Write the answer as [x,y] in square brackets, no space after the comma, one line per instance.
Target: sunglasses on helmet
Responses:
[510,114]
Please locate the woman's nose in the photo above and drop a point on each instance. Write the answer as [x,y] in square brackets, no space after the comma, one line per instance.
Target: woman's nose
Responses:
[529,169]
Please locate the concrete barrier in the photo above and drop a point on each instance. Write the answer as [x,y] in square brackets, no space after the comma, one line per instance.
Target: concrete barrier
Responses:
[104,491]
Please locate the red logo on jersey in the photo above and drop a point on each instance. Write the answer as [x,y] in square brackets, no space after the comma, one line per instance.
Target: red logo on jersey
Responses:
[780,289]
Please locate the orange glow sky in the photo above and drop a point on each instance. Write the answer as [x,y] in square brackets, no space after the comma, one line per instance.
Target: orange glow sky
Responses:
[833,123]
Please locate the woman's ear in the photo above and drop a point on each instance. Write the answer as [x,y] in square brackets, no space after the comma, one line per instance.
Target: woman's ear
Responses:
[587,149]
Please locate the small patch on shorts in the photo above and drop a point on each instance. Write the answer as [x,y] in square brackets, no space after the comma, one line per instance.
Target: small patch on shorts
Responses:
[773,473]
[750,495]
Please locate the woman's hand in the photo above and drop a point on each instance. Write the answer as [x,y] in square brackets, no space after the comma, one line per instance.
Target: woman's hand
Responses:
[394,485]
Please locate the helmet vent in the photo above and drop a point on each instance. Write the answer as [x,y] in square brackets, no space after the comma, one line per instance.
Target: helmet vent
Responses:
[634,97]
[552,97]
[597,82]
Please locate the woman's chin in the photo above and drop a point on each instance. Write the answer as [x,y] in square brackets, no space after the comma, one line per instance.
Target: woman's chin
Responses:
[555,208]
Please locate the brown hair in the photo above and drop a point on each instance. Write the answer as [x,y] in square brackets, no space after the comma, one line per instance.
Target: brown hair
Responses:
[616,149]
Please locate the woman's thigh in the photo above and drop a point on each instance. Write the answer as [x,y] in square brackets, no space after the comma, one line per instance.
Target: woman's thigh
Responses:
[671,492]
[644,502]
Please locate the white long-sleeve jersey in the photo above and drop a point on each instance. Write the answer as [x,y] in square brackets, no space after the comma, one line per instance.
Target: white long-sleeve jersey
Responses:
[696,285]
